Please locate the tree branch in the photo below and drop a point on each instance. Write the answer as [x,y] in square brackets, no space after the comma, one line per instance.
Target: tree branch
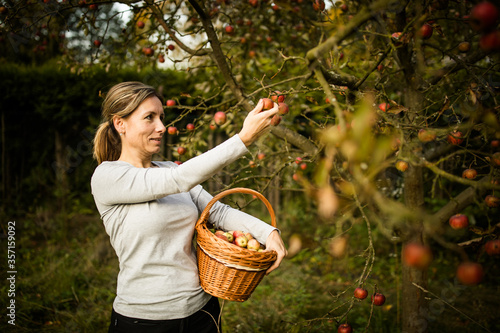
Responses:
[455,67]
[218,55]
[472,183]
[339,79]
[220,59]
[455,205]
[295,139]
[364,15]
[159,16]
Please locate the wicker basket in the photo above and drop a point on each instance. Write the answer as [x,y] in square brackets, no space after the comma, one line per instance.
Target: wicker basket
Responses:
[226,270]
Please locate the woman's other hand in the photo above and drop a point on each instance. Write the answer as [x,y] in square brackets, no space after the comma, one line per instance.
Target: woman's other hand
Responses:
[256,123]
[275,243]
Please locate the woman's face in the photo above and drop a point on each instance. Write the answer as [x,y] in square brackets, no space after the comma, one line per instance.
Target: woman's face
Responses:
[144,129]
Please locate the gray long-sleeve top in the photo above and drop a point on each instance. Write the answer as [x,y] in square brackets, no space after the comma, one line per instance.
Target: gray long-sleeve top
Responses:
[150,215]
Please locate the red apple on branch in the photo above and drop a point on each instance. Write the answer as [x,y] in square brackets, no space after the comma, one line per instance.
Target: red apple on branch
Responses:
[170,102]
[492,247]
[483,16]
[172,130]
[455,137]
[426,31]
[426,135]
[220,117]
[402,165]
[229,29]
[469,173]
[319,5]
[148,51]
[275,120]
[464,47]
[459,221]
[344,328]
[384,106]
[492,201]
[268,104]
[470,273]
[495,158]
[181,150]
[360,293]
[278,97]
[417,255]
[378,299]
[490,41]
[282,108]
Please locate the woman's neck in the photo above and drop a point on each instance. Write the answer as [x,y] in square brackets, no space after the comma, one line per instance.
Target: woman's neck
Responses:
[137,161]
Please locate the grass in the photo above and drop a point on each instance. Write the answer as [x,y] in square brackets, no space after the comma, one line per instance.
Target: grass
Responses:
[67,272]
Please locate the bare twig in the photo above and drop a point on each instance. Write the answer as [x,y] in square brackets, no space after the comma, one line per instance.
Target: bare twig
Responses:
[451,306]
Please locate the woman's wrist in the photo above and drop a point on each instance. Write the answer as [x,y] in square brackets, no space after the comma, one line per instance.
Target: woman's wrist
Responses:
[247,141]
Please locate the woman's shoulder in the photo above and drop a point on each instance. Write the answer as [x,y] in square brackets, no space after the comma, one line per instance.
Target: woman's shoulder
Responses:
[112,166]
[165,164]
[106,165]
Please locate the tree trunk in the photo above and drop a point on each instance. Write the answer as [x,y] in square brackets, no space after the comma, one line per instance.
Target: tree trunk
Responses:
[414,307]
[61,166]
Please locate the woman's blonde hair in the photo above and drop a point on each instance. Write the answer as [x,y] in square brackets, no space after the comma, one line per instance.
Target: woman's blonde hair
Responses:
[121,100]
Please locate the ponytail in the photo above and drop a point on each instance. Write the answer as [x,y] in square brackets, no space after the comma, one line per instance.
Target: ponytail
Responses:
[121,100]
[107,143]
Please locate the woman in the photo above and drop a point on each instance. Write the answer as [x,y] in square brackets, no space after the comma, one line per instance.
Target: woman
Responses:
[149,209]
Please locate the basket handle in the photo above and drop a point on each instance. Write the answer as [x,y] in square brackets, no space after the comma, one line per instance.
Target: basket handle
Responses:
[204,215]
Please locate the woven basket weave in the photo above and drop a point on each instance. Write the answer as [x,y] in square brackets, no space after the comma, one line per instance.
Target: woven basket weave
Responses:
[226,270]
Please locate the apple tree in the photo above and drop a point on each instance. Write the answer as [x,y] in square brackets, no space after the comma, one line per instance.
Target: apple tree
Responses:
[392,115]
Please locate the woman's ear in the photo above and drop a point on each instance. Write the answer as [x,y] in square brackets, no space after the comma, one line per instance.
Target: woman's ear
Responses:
[119,124]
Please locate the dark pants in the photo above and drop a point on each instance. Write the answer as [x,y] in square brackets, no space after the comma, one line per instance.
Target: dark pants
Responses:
[199,322]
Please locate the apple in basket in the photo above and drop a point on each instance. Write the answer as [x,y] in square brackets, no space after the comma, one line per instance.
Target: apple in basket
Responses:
[237,233]
[241,241]
[253,244]
[221,234]
[249,235]
[229,236]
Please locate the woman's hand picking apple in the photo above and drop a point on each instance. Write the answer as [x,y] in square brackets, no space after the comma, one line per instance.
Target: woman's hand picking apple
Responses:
[275,243]
[257,123]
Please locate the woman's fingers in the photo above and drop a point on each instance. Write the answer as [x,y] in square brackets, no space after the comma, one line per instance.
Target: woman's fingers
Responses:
[256,123]
[275,243]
